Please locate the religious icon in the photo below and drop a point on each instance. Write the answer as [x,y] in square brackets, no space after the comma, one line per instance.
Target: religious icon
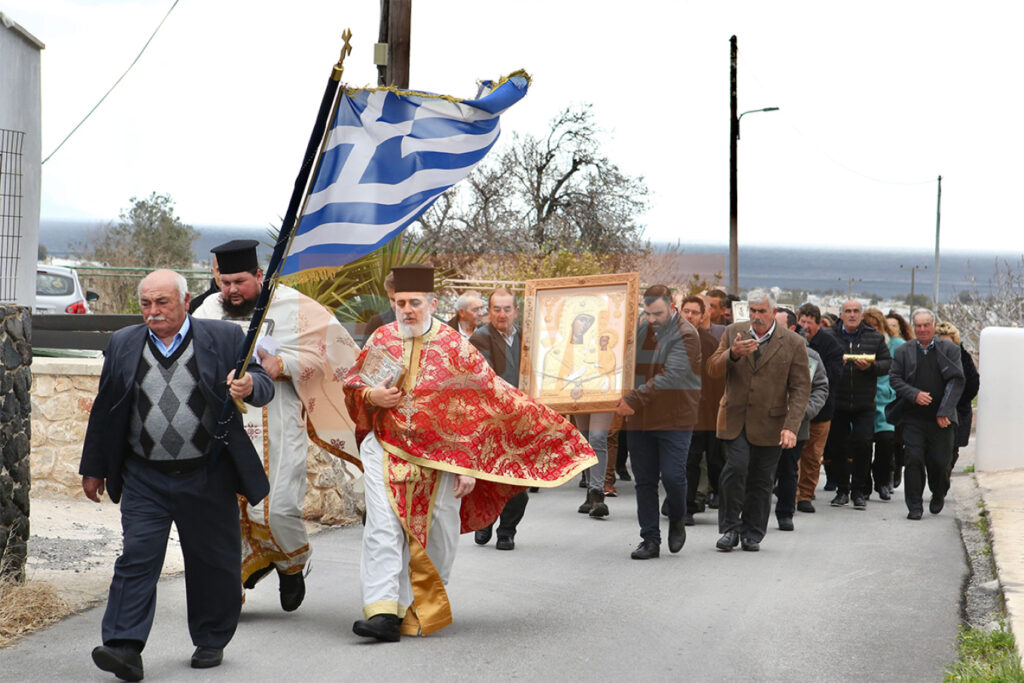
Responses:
[578,337]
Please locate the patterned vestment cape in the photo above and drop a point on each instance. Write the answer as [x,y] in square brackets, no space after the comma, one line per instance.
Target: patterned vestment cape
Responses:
[458,416]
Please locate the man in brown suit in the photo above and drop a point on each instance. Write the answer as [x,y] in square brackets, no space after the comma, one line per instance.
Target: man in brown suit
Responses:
[767,386]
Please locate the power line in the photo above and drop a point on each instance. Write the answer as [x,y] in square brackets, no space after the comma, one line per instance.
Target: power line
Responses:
[96,106]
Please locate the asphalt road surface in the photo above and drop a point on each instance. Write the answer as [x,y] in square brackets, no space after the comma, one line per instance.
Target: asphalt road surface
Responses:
[849,596]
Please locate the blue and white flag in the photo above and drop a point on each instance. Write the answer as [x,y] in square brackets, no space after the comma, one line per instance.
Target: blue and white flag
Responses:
[386,158]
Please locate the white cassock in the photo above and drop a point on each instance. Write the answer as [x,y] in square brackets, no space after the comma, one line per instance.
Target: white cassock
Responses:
[317,353]
[384,568]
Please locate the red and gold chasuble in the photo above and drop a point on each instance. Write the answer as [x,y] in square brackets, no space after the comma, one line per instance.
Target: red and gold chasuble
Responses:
[457,415]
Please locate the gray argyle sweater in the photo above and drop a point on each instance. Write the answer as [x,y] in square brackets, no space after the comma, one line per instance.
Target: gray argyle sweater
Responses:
[171,421]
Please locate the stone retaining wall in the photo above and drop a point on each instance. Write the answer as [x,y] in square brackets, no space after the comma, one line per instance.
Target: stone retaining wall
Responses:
[63,390]
[15,433]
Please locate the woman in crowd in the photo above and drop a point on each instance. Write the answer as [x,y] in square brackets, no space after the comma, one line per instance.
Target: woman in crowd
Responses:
[898,326]
[964,412]
[885,433]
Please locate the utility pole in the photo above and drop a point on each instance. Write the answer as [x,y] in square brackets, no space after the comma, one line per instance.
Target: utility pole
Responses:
[913,271]
[734,136]
[734,125]
[391,54]
[938,211]
[849,285]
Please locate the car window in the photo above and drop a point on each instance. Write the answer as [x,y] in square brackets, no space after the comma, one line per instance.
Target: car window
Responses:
[51,284]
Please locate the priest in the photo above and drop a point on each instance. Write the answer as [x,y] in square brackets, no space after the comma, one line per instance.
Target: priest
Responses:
[444,443]
[307,353]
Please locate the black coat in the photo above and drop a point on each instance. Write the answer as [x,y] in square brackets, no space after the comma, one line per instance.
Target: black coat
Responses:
[964,411]
[831,354]
[903,375]
[216,346]
[492,345]
[856,388]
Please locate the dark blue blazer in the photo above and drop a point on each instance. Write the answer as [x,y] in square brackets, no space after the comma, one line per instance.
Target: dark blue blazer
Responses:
[216,345]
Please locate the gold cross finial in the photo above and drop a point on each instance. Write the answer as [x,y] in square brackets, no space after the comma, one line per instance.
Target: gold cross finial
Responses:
[346,50]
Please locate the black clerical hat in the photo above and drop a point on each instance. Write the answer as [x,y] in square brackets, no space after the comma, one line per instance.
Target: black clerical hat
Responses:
[236,256]
[415,277]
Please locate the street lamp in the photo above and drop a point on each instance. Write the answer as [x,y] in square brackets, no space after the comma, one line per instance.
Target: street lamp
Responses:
[734,135]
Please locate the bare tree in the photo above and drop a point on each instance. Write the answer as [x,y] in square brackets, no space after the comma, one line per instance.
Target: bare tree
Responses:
[543,195]
[972,311]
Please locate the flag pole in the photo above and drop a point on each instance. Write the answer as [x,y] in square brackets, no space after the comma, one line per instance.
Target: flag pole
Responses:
[284,237]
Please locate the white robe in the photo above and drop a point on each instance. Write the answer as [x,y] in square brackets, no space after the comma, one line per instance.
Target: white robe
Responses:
[317,352]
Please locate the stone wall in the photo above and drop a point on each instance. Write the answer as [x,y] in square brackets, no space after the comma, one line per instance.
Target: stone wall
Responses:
[15,434]
[63,390]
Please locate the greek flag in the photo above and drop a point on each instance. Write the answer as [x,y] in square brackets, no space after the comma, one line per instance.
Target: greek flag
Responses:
[387,156]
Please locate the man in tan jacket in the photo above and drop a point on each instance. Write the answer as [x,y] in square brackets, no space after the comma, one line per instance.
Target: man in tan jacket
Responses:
[767,385]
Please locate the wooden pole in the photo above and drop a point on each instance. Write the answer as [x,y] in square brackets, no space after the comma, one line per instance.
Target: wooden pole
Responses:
[382,39]
[399,24]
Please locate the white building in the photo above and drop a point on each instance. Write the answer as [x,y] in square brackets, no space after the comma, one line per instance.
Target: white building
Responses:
[20,156]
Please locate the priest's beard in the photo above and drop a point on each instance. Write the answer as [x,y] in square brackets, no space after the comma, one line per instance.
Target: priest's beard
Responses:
[417,330]
[242,310]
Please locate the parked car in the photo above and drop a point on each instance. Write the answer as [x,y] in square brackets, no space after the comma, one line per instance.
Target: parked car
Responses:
[59,291]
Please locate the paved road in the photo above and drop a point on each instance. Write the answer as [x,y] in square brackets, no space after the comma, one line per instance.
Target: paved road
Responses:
[848,596]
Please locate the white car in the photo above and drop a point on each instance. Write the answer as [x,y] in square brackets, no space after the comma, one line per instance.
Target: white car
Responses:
[59,291]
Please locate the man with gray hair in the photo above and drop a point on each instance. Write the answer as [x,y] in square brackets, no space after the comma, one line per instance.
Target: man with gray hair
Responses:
[928,378]
[150,445]
[469,313]
[767,386]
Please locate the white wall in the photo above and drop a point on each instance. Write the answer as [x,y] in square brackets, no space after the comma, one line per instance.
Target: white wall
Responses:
[20,109]
[1000,400]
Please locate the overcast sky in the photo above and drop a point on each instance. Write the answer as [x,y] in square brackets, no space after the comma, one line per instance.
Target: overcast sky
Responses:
[876,100]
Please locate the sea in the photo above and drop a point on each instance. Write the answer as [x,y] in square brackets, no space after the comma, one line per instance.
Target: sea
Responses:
[870,273]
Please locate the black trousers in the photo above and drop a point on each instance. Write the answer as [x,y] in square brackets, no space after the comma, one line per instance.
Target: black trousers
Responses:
[745,489]
[511,515]
[703,444]
[204,508]
[928,450]
[882,465]
[786,475]
[851,433]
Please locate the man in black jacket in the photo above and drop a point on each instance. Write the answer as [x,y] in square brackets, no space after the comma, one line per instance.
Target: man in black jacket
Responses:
[661,411]
[150,445]
[865,358]
[928,378]
[500,343]
[831,354]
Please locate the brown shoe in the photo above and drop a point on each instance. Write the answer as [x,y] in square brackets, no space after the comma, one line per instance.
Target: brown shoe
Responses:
[609,491]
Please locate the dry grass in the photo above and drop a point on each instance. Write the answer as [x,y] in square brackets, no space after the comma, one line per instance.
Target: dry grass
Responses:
[27,607]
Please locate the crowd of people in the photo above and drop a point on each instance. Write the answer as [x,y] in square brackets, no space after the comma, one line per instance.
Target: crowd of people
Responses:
[722,414]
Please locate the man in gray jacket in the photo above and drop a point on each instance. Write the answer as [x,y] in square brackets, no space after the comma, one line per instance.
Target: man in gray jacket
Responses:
[786,474]
[928,379]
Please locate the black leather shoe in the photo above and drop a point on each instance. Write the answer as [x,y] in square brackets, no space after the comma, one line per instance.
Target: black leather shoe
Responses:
[676,535]
[254,578]
[664,507]
[293,590]
[688,520]
[750,545]
[587,505]
[482,536]
[728,541]
[123,662]
[884,493]
[505,543]
[840,500]
[936,504]
[598,508]
[785,523]
[805,506]
[914,514]
[859,502]
[383,627]
[647,550]
[207,657]
[624,474]
[713,501]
